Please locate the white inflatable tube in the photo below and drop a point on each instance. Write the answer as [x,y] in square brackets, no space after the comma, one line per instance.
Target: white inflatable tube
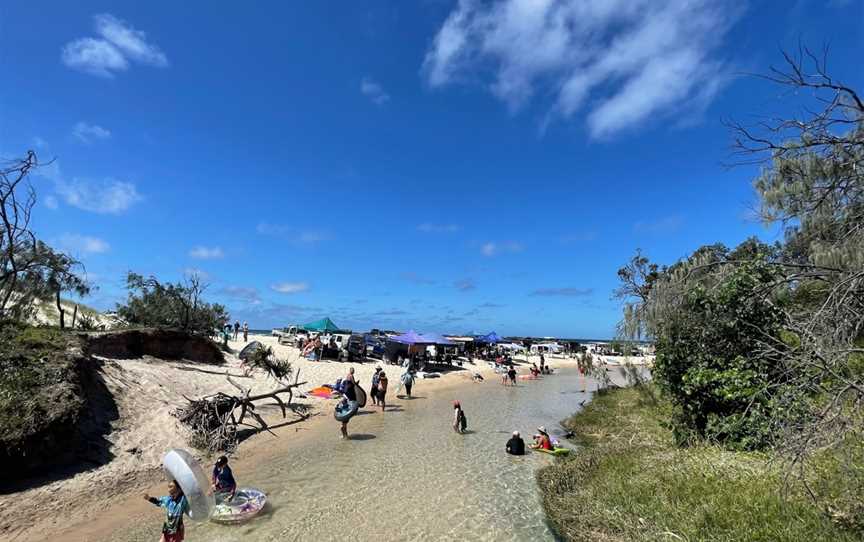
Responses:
[179,465]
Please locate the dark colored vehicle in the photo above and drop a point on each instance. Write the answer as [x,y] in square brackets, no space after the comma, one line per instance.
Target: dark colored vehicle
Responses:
[374,346]
[354,349]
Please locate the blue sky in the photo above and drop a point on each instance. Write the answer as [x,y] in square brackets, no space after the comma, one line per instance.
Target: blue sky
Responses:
[444,166]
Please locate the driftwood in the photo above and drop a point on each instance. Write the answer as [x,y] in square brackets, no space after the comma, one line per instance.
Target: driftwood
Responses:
[215,420]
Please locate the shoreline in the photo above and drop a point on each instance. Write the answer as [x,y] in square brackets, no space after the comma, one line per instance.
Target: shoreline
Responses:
[71,516]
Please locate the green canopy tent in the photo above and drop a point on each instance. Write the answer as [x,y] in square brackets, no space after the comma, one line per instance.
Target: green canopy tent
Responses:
[325,325]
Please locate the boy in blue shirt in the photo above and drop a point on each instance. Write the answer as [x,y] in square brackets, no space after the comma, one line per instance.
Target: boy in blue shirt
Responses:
[175,505]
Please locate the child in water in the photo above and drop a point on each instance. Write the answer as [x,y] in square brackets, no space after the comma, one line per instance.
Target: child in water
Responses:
[175,505]
[460,423]
[224,485]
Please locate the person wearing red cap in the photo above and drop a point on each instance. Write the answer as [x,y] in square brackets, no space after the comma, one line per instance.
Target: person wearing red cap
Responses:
[460,423]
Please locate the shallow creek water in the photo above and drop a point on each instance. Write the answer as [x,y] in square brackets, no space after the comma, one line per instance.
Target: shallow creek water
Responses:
[405,475]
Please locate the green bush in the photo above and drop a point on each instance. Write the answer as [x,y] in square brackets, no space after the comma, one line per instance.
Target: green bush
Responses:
[705,362]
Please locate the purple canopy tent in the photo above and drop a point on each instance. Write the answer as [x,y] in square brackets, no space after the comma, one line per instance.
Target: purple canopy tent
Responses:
[412,337]
[434,338]
[491,338]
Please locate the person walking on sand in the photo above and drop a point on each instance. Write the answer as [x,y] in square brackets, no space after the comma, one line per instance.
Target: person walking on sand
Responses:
[408,382]
[245,332]
[373,391]
[460,423]
[511,374]
[382,389]
[236,329]
[175,505]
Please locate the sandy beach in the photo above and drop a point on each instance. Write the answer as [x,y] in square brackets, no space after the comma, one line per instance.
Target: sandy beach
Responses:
[147,391]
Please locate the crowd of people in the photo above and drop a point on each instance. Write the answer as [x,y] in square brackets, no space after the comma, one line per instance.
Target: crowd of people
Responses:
[224,485]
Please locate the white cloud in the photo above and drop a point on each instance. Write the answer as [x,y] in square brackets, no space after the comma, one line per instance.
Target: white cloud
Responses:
[374,91]
[290,287]
[563,292]
[241,293]
[51,202]
[492,249]
[293,235]
[427,227]
[624,60]
[207,253]
[87,133]
[75,243]
[109,196]
[118,46]
[39,143]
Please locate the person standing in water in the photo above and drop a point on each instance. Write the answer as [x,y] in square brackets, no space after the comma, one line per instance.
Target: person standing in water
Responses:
[408,382]
[382,389]
[373,391]
[175,505]
[350,397]
[511,374]
[460,423]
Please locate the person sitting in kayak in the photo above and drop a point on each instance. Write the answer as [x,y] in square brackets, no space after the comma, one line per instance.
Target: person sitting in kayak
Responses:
[542,440]
[224,485]
[516,446]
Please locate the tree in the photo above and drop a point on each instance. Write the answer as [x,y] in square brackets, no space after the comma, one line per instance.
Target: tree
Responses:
[29,269]
[179,305]
[813,184]
[18,247]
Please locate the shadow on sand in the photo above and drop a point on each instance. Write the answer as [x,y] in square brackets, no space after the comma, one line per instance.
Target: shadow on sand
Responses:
[87,447]
[361,436]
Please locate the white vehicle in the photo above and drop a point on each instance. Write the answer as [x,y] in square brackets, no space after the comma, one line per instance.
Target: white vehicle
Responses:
[290,335]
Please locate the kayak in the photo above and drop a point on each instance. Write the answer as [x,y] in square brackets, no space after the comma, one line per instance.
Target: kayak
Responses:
[555,451]
[247,502]
[361,395]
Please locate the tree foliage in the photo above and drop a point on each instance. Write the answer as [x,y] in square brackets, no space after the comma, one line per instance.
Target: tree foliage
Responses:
[29,269]
[763,345]
[179,305]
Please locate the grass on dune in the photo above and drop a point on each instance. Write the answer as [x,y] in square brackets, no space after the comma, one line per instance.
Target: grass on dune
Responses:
[630,482]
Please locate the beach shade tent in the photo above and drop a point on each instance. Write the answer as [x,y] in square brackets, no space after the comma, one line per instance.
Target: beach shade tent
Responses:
[324,325]
[491,338]
[411,337]
[434,338]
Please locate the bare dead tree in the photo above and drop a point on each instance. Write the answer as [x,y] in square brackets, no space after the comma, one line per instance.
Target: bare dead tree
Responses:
[18,245]
[215,420]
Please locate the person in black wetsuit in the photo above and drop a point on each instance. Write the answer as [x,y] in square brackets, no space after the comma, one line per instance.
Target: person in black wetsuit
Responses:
[516,446]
